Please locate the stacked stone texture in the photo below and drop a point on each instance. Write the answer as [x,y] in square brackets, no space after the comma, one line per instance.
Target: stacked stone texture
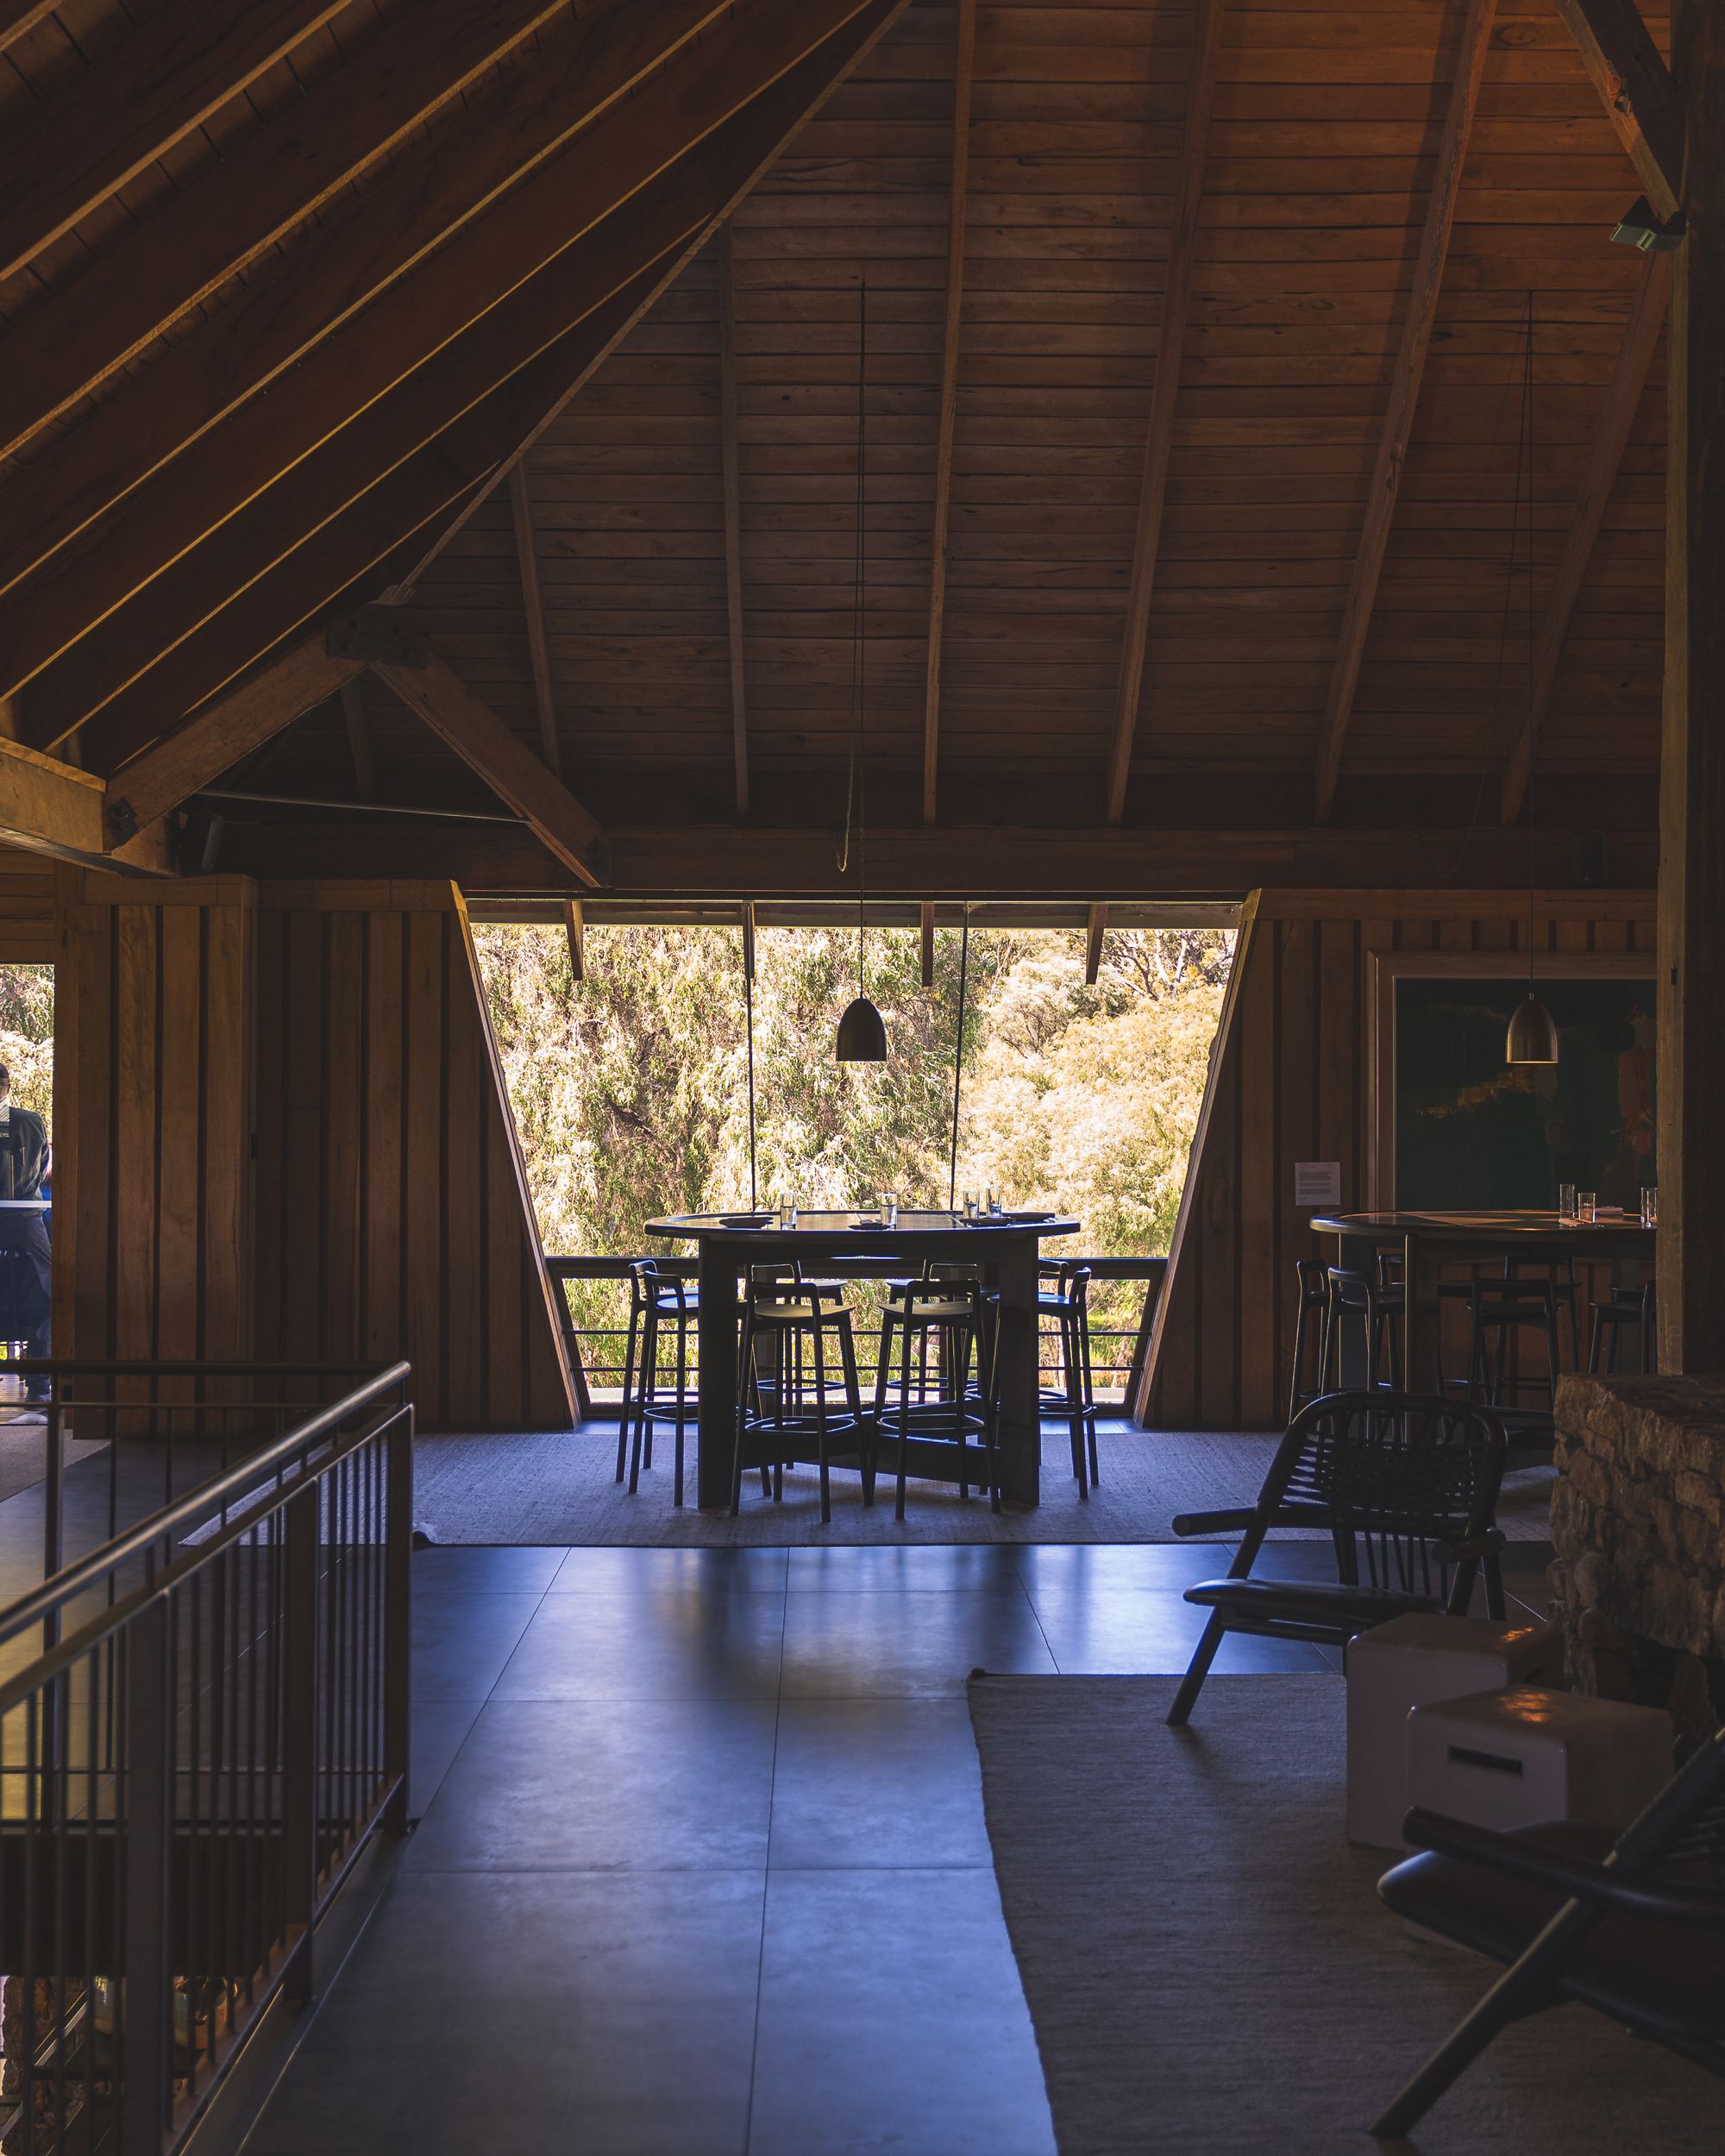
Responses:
[1638,1524]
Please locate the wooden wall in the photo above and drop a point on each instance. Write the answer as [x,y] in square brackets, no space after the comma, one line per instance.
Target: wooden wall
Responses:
[281,1133]
[1289,1081]
[28,890]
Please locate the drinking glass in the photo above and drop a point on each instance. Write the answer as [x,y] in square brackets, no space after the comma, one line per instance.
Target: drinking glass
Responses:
[970,1205]
[993,1205]
[1586,1205]
[888,1202]
[787,1213]
[1650,1205]
[1567,1202]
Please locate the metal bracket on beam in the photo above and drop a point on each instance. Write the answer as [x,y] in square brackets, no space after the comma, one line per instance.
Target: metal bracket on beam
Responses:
[121,818]
[376,636]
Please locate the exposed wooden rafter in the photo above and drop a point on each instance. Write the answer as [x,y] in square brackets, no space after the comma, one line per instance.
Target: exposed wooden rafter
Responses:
[1640,100]
[436,694]
[574,927]
[1095,930]
[926,924]
[359,740]
[263,184]
[367,397]
[1610,439]
[964,69]
[148,94]
[1404,395]
[1171,346]
[533,604]
[731,482]
[18,15]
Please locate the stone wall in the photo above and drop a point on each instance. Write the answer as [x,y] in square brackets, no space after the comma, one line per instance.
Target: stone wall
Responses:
[1638,1526]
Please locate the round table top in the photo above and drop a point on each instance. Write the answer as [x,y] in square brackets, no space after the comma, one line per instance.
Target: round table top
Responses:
[1489,1226]
[821,1226]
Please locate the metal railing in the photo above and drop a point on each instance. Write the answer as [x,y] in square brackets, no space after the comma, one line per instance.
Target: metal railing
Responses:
[597,1349]
[201,1722]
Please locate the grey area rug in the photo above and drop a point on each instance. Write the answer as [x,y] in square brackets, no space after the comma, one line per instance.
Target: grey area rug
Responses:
[557,1487]
[1208,1967]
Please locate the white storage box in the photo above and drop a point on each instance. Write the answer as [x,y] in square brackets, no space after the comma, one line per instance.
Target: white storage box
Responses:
[1406,1663]
[1526,1756]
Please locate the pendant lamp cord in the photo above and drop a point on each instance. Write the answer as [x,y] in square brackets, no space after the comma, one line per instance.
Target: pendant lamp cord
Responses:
[958,1060]
[856,792]
[1527,439]
[749,1016]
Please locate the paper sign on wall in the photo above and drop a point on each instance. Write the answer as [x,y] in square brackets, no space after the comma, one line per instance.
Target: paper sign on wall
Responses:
[1317,1183]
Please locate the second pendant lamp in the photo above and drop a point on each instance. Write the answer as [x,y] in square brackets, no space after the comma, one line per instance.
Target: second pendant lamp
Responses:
[861,1030]
[1533,1034]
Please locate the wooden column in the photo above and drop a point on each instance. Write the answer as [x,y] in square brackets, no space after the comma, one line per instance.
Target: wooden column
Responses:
[1691,922]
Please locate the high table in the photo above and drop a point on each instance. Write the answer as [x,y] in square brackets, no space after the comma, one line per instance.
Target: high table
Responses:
[1429,1241]
[1006,1250]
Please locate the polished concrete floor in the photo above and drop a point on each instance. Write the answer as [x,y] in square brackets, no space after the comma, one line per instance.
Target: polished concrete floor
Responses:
[701,1864]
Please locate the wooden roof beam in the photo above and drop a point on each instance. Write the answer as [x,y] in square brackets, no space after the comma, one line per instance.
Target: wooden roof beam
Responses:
[964,69]
[215,739]
[436,694]
[731,481]
[1404,395]
[533,603]
[396,227]
[16,16]
[149,93]
[359,740]
[1627,70]
[1200,84]
[401,373]
[441,479]
[263,184]
[1610,439]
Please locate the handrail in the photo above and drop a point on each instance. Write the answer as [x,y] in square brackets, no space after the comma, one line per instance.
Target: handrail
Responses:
[196,1506]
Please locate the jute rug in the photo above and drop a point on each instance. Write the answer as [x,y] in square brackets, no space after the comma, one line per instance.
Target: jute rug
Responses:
[1208,1967]
[557,1487]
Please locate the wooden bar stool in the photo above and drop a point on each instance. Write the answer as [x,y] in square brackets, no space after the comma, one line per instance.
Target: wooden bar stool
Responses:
[660,1306]
[1067,1303]
[1628,1307]
[812,1339]
[962,1320]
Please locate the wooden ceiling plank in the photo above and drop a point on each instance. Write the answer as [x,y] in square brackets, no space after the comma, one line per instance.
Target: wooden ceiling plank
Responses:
[1609,441]
[359,740]
[959,199]
[267,182]
[148,94]
[367,241]
[377,368]
[215,739]
[1635,84]
[732,484]
[1404,394]
[676,215]
[436,694]
[17,16]
[533,603]
[1165,393]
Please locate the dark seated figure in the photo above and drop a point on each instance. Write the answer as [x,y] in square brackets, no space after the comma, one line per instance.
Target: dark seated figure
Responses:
[25,1266]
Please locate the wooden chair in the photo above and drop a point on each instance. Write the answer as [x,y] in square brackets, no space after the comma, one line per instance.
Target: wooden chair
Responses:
[1066,1301]
[963,1319]
[1412,1483]
[810,1342]
[1631,1924]
[1378,1307]
[660,1306]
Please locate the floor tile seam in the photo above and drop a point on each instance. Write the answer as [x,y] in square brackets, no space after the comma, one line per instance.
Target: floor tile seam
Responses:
[767,1873]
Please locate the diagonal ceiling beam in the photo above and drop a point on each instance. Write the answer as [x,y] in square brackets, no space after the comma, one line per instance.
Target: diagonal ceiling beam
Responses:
[1404,395]
[206,746]
[1625,67]
[1610,439]
[263,184]
[533,604]
[136,102]
[359,740]
[17,16]
[435,488]
[731,481]
[366,240]
[436,694]
[964,70]
[429,348]
[1170,346]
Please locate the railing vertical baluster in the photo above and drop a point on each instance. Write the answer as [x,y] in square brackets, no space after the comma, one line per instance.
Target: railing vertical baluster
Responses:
[147,2002]
[398,1657]
[300,1760]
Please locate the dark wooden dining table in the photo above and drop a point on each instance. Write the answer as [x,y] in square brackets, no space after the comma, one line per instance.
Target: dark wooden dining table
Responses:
[1005,1248]
[1431,1240]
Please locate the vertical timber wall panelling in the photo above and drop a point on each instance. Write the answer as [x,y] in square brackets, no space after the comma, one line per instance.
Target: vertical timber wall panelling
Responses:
[1290,1081]
[27,888]
[153,1115]
[393,1216]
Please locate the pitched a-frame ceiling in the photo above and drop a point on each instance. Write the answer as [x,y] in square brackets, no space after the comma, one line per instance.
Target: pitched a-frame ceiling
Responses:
[392,394]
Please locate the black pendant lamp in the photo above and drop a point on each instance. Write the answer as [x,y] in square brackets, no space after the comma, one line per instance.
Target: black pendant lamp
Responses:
[1532,1035]
[861,1030]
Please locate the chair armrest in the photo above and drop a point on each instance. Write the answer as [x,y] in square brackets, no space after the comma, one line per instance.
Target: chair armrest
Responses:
[1483,1545]
[1213,1523]
[1635,1894]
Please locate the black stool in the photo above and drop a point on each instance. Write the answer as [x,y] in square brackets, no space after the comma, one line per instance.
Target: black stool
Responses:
[1313,1275]
[1068,1304]
[1627,1306]
[1501,1307]
[659,1303]
[963,1319]
[1352,1295]
[793,1317]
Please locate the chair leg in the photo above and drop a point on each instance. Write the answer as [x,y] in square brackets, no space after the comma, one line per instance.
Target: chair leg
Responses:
[904,1417]
[746,1360]
[1087,1388]
[1197,1669]
[853,1400]
[820,1420]
[624,1412]
[647,1396]
[682,1402]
